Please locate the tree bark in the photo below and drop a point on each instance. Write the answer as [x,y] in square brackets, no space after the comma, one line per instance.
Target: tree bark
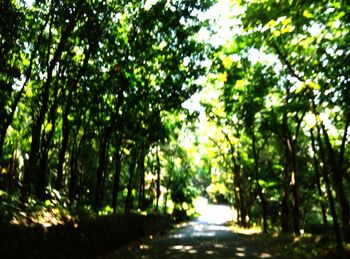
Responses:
[158,179]
[329,192]
[286,178]
[141,169]
[260,192]
[73,185]
[132,165]
[295,192]
[46,143]
[65,122]
[101,169]
[339,186]
[106,138]
[38,122]
[318,180]
[118,165]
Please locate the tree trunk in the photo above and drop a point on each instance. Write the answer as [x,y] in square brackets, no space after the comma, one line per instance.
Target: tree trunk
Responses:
[62,151]
[41,181]
[65,122]
[318,180]
[260,193]
[118,165]
[132,165]
[295,192]
[263,201]
[12,173]
[73,180]
[168,185]
[339,187]
[46,143]
[286,179]
[141,168]
[38,122]
[158,179]
[241,203]
[329,192]
[100,171]
[342,172]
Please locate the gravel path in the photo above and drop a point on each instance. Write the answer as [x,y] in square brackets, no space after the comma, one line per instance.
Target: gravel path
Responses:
[207,237]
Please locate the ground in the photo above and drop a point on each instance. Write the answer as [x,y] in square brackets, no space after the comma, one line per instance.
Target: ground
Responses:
[209,236]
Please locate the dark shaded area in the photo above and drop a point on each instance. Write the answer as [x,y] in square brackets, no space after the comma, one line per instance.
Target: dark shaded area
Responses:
[86,239]
[305,246]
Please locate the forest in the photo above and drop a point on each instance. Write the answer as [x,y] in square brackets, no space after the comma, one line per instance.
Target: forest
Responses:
[138,107]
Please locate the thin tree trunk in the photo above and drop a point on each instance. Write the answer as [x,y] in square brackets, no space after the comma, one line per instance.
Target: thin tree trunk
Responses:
[238,187]
[286,180]
[168,185]
[329,192]
[318,180]
[158,179]
[260,193]
[325,172]
[141,169]
[241,208]
[100,171]
[65,122]
[118,165]
[339,187]
[74,189]
[295,193]
[12,172]
[46,143]
[132,165]
[73,180]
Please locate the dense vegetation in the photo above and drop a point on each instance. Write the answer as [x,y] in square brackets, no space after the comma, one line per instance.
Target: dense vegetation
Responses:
[282,116]
[88,89]
[93,117]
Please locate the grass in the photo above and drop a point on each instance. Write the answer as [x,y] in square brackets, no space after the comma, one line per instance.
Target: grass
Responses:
[304,246]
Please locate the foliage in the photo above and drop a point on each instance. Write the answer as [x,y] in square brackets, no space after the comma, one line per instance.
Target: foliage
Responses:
[93,111]
[85,88]
[280,115]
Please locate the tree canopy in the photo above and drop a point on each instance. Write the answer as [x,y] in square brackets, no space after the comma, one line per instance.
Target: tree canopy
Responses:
[137,107]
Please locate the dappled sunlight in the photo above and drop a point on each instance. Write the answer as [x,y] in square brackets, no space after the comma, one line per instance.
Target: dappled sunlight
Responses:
[265,255]
[209,236]
[182,248]
[246,231]
[144,247]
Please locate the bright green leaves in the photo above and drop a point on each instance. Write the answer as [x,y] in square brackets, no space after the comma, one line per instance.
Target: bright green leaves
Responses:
[308,84]
[279,26]
[307,14]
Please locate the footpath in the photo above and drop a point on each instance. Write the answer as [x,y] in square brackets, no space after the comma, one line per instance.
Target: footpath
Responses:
[207,237]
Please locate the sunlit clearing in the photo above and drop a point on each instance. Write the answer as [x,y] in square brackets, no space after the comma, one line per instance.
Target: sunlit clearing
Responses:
[212,214]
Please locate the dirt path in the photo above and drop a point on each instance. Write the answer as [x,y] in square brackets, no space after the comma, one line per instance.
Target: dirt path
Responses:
[207,237]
